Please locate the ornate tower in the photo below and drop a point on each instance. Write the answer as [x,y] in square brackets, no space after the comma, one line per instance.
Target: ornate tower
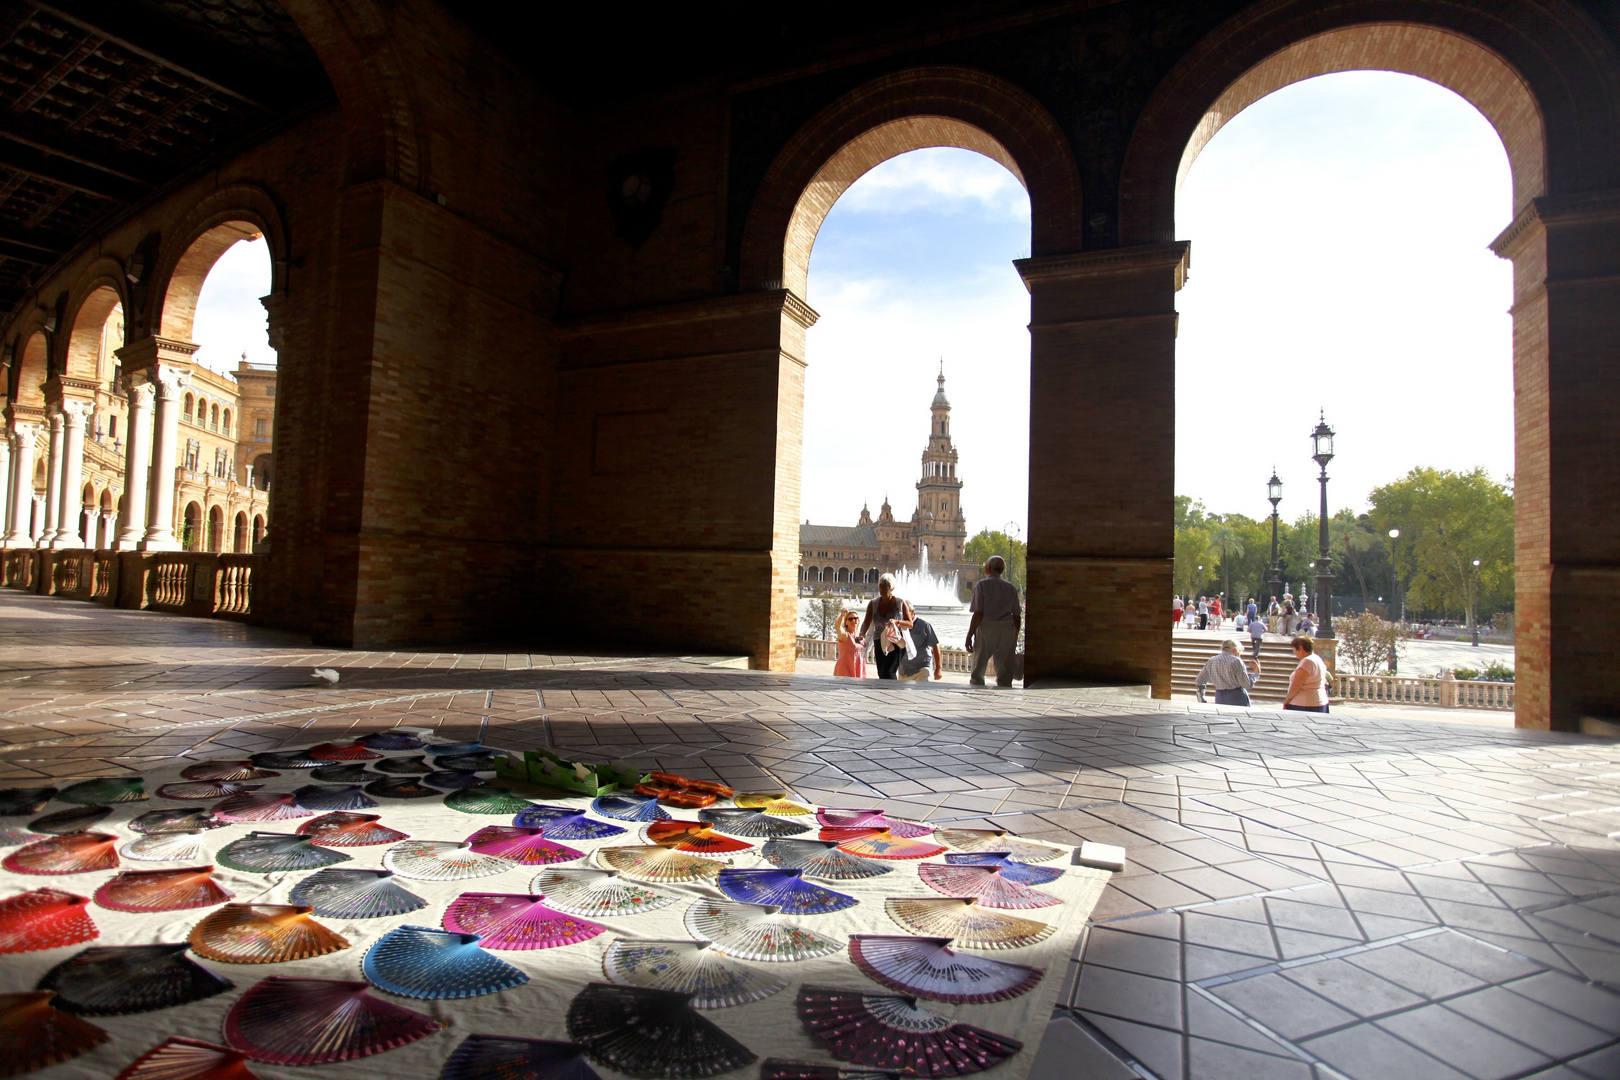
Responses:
[940,523]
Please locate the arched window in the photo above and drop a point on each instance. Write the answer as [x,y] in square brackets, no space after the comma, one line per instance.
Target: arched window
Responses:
[112,427]
[192,537]
[187,413]
[225,423]
[216,528]
[240,539]
[258,527]
[213,421]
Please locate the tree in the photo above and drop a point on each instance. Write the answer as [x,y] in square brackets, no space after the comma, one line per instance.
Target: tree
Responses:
[823,614]
[990,542]
[1192,549]
[1355,541]
[1366,642]
[1447,520]
[1225,541]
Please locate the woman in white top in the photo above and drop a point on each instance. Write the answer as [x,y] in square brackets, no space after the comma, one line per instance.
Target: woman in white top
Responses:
[1308,686]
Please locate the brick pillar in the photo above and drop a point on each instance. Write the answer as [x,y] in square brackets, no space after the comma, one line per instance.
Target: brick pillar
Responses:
[1566,375]
[1102,463]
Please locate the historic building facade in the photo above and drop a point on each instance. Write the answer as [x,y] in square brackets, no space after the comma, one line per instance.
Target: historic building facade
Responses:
[841,559]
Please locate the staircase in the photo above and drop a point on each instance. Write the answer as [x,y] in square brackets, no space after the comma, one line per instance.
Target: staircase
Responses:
[1189,651]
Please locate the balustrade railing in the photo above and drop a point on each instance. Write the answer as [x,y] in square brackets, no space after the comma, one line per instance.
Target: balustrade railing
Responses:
[183,582]
[106,575]
[169,582]
[957,660]
[233,593]
[1446,692]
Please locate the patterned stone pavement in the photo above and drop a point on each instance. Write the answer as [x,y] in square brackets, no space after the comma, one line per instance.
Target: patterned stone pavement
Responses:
[1342,897]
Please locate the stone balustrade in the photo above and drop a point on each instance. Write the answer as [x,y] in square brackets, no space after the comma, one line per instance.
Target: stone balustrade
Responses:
[1445,692]
[197,583]
[957,660]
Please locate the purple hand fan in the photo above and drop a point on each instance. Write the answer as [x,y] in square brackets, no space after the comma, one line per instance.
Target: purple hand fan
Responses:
[785,889]
[260,806]
[565,823]
[390,740]
[871,819]
[822,859]
[225,770]
[120,979]
[891,1032]
[750,823]
[420,962]
[651,1033]
[341,893]
[526,847]
[985,883]
[510,921]
[344,829]
[284,1021]
[629,807]
[925,967]
[1023,873]
[503,1057]
[316,797]
[191,790]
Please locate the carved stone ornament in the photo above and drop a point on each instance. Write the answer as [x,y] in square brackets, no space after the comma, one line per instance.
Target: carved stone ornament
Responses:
[137,390]
[170,381]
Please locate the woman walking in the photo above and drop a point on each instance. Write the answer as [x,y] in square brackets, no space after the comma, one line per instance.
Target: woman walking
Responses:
[851,649]
[1308,686]
[886,618]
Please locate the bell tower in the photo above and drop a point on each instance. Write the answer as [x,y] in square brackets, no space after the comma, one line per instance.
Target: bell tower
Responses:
[941,525]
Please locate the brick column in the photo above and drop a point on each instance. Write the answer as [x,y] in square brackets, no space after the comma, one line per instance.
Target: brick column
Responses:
[168,383]
[1566,374]
[53,482]
[22,485]
[69,499]
[1102,463]
[137,460]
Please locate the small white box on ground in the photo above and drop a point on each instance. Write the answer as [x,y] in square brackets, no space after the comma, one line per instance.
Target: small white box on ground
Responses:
[1100,856]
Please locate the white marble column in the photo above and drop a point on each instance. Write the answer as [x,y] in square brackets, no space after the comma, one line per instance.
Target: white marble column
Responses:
[22,485]
[36,531]
[70,499]
[109,530]
[168,383]
[5,484]
[137,462]
[53,483]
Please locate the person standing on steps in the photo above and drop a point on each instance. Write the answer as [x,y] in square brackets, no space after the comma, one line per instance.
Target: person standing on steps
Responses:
[1257,633]
[993,631]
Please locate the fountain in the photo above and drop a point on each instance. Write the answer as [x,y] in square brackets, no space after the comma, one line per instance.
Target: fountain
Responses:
[926,590]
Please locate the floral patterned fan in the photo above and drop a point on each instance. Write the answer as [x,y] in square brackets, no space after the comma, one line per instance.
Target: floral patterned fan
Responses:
[784,889]
[174,819]
[526,847]
[263,934]
[784,1069]
[688,967]
[871,820]
[267,852]
[565,823]
[162,890]
[891,1032]
[966,922]
[260,806]
[659,864]
[597,894]
[512,921]
[122,979]
[344,829]
[341,893]
[35,1033]
[629,807]
[880,844]
[486,800]
[166,847]
[651,1033]
[751,823]
[285,1021]
[926,967]
[984,882]
[822,859]
[755,932]
[420,962]
[44,919]
[77,853]
[692,837]
[1026,851]
[441,860]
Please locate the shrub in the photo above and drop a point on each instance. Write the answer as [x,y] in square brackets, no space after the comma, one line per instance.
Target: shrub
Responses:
[1366,642]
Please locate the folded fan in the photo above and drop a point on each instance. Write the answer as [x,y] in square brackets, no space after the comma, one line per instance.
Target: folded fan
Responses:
[822,859]
[35,1033]
[659,864]
[873,820]
[284,1021]
[226,770]
[394,739]
[351,750]
[266,852]
[317,797]
[880,844]
[452,781]
[711,980]
[503,1057]
[174,819]
[404,766]
[479,761]
[162,890]
[401,787]
[785,889]
[339,892]
[891,1032]
[441,860]
[205,789]
[263,934]
[486,800]
[76,853]
[1026,851]
[260,806]
[965,921]
[526,847]
[692,837]
[421,962]
[286,759]
[596,893]
[106,789]
[629,807]
[44,919]
[188,1059]
[926,967]
[755,932]
[516,921]
[115,980]
[651,1033]
[784,1069]
[343,772]
[25,800]
[750,823]
[73,819]
[1011,869]
[166,847]
[344,829]
[565,823]
[778,803]
[984,882]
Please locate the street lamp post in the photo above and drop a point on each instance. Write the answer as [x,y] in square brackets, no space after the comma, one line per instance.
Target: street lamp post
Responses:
[1322,453]
[1394,582]
[1473,603]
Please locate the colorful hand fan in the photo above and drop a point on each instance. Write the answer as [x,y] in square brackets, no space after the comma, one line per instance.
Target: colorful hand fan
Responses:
[162,890]
[404,766]
[455,749]
[260,806]
[285,1021]
[880,844]
[783,1069]
[226,770]
[420,962]
[1026,851]
[263,934]
[106,789]
[205,789]
[352,750]
[73,819]
[629,807]
[778,803]
[526,847]
[35,1033]
[451,781]
[565,823]
[390,740]
[660,864]
[985,883]
[481,762]
[510,921]
[401,787]
[755,932]
[343,772]
[343,829]
[341,893]
[286,759]
[14,835]
[502,1057]
[165,847]
[1011,870]
[598,894]
[441,860]
[785,889]
[76,853]
[750,823]
[316,797]
[188,1059]
[692,837]
[486,800]
[924,967]
[267,852]
[174,819]
[688,967]
[872,820]
[647,1032]
[891,1032]
[822,859]
[123,979]
[966,922]
[25,800]
[44,919]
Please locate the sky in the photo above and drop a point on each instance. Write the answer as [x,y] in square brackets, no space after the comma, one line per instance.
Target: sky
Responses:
[230,318]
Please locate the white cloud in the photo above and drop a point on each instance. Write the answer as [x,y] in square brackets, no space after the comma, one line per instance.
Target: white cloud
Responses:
[937,181]
[230,319]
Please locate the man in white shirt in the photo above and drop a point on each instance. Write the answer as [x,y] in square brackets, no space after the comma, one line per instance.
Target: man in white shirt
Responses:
[993,631]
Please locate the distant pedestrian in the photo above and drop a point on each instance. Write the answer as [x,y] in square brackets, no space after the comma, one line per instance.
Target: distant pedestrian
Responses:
[1273,613]
[887,617]
[993,631]
[1306,627]
[1203,613]
[1257,633]
[1308,686]
[1229,674]
[1215,614]
[929,656]
[851,649]
[1175,612]
[1252,610]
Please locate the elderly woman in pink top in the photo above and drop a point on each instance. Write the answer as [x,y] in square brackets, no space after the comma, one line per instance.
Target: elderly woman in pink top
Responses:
[1308,686]
[851,649]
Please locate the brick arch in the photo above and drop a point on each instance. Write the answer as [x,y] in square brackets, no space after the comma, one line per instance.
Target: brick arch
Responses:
[231,214]
[101,288]
[909,110]
[30,369]
[1559,121]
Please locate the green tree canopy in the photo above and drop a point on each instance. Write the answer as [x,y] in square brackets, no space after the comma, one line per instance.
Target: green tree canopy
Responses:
[990,542]
[1447,520]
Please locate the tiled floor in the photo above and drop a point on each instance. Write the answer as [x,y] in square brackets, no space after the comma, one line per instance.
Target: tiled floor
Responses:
[1349,896]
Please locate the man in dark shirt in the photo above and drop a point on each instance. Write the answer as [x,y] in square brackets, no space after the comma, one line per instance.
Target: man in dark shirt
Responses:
[928,654]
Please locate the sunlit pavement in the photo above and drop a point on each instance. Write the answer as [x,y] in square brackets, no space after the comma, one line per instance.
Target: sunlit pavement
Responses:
[1352,895]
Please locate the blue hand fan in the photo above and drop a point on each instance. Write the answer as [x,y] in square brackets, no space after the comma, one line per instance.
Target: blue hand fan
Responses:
[565,823]
[341,893]
[629,807]
[419,962]
[785,889]
[316,797]
[1022,873]
[452,749]
[503,1057]
[390,740]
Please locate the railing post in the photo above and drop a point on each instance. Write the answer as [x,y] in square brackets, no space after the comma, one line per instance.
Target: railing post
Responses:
[1448,690]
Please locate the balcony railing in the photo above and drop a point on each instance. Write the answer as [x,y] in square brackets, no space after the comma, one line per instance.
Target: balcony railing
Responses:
[200,583]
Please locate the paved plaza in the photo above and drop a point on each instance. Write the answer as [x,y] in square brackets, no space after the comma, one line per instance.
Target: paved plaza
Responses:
[1350,896]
